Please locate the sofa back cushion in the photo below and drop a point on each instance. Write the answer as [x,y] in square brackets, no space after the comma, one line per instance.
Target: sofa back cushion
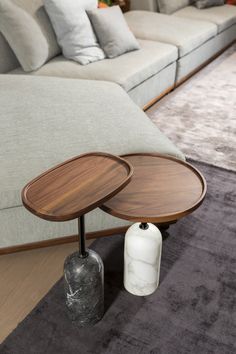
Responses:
[8,59]
[203,4]
[170,6]
[35,9]
[118,39]
[145,5]
[74,31]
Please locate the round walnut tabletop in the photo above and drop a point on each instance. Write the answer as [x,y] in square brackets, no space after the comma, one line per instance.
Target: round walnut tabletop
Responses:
[162,190]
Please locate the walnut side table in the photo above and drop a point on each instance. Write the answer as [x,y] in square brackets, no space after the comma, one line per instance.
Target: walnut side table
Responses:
[162,190]
[67,192]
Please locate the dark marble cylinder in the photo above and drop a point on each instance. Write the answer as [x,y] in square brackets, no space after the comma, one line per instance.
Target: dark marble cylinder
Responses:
[84,287]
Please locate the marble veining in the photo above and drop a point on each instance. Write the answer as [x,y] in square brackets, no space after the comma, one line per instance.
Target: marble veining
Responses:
[84,288]
[142,258]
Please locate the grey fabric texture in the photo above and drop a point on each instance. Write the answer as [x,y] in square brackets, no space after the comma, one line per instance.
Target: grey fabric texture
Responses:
[25,35]
[147,5]
[112,31]
[168,7]
[74,32]
[128,70]
[185,34]
[19,226]
[153,87]
[190,62]
[223,16]
[8,59]
[49,121]
[192,311]
[36,10]
[203,4]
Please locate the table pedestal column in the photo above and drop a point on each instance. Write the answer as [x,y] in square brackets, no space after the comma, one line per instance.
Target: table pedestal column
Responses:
[142,258]
[84,284]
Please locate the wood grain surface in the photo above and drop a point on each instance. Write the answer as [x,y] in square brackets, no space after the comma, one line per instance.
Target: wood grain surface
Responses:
[76,186]
[163,189]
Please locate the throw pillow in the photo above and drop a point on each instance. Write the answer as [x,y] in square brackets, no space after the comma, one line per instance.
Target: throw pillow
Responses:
[32,44]
[112,31]
[203,4]
[73,29]
[170,6]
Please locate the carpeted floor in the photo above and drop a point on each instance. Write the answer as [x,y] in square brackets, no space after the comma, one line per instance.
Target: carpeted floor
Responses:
[200,116]
[193,311]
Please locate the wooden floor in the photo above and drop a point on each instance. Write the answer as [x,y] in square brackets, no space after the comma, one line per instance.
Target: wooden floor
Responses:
[25,278]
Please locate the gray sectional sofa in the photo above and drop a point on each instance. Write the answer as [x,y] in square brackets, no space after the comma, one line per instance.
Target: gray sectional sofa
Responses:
[198,34]
[65,109]
[172,48]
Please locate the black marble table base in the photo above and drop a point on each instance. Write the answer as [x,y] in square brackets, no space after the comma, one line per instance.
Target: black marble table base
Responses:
[84,288]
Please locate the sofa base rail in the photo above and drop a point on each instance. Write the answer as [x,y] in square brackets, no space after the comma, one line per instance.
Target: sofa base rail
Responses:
[74,238]
[61,240]
[158,98]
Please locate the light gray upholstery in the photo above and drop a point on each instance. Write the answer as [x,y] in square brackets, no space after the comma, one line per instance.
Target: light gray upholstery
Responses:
[168,7]
[73,29]
[8,59]
[112,31]
[154,87]
[19,226]
[128,70]
[223,16]
[186,34]
[204,4]
[36,10]
[196,58]
[51,120]
[26,37]
[147,5]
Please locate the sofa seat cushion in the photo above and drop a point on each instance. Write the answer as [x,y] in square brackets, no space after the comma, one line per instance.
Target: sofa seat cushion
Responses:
[45,121]
[186,34]
[223,16]
[128,70]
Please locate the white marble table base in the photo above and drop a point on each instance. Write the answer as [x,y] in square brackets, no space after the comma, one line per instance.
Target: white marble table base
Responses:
[142,259]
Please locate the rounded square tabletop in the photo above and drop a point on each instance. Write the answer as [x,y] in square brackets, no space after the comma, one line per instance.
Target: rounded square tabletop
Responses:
[76,186]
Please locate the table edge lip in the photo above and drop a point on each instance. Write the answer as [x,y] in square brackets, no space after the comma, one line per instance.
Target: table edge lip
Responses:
[165,217]
[66,217]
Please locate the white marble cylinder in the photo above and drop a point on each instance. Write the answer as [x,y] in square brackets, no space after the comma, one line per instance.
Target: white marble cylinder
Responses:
[142,259]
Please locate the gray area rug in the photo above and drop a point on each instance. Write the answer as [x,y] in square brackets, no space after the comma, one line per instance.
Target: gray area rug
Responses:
[200,115]
[193,310]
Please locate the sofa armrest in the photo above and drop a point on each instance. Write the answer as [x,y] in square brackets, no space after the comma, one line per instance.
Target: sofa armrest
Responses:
[148,5]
